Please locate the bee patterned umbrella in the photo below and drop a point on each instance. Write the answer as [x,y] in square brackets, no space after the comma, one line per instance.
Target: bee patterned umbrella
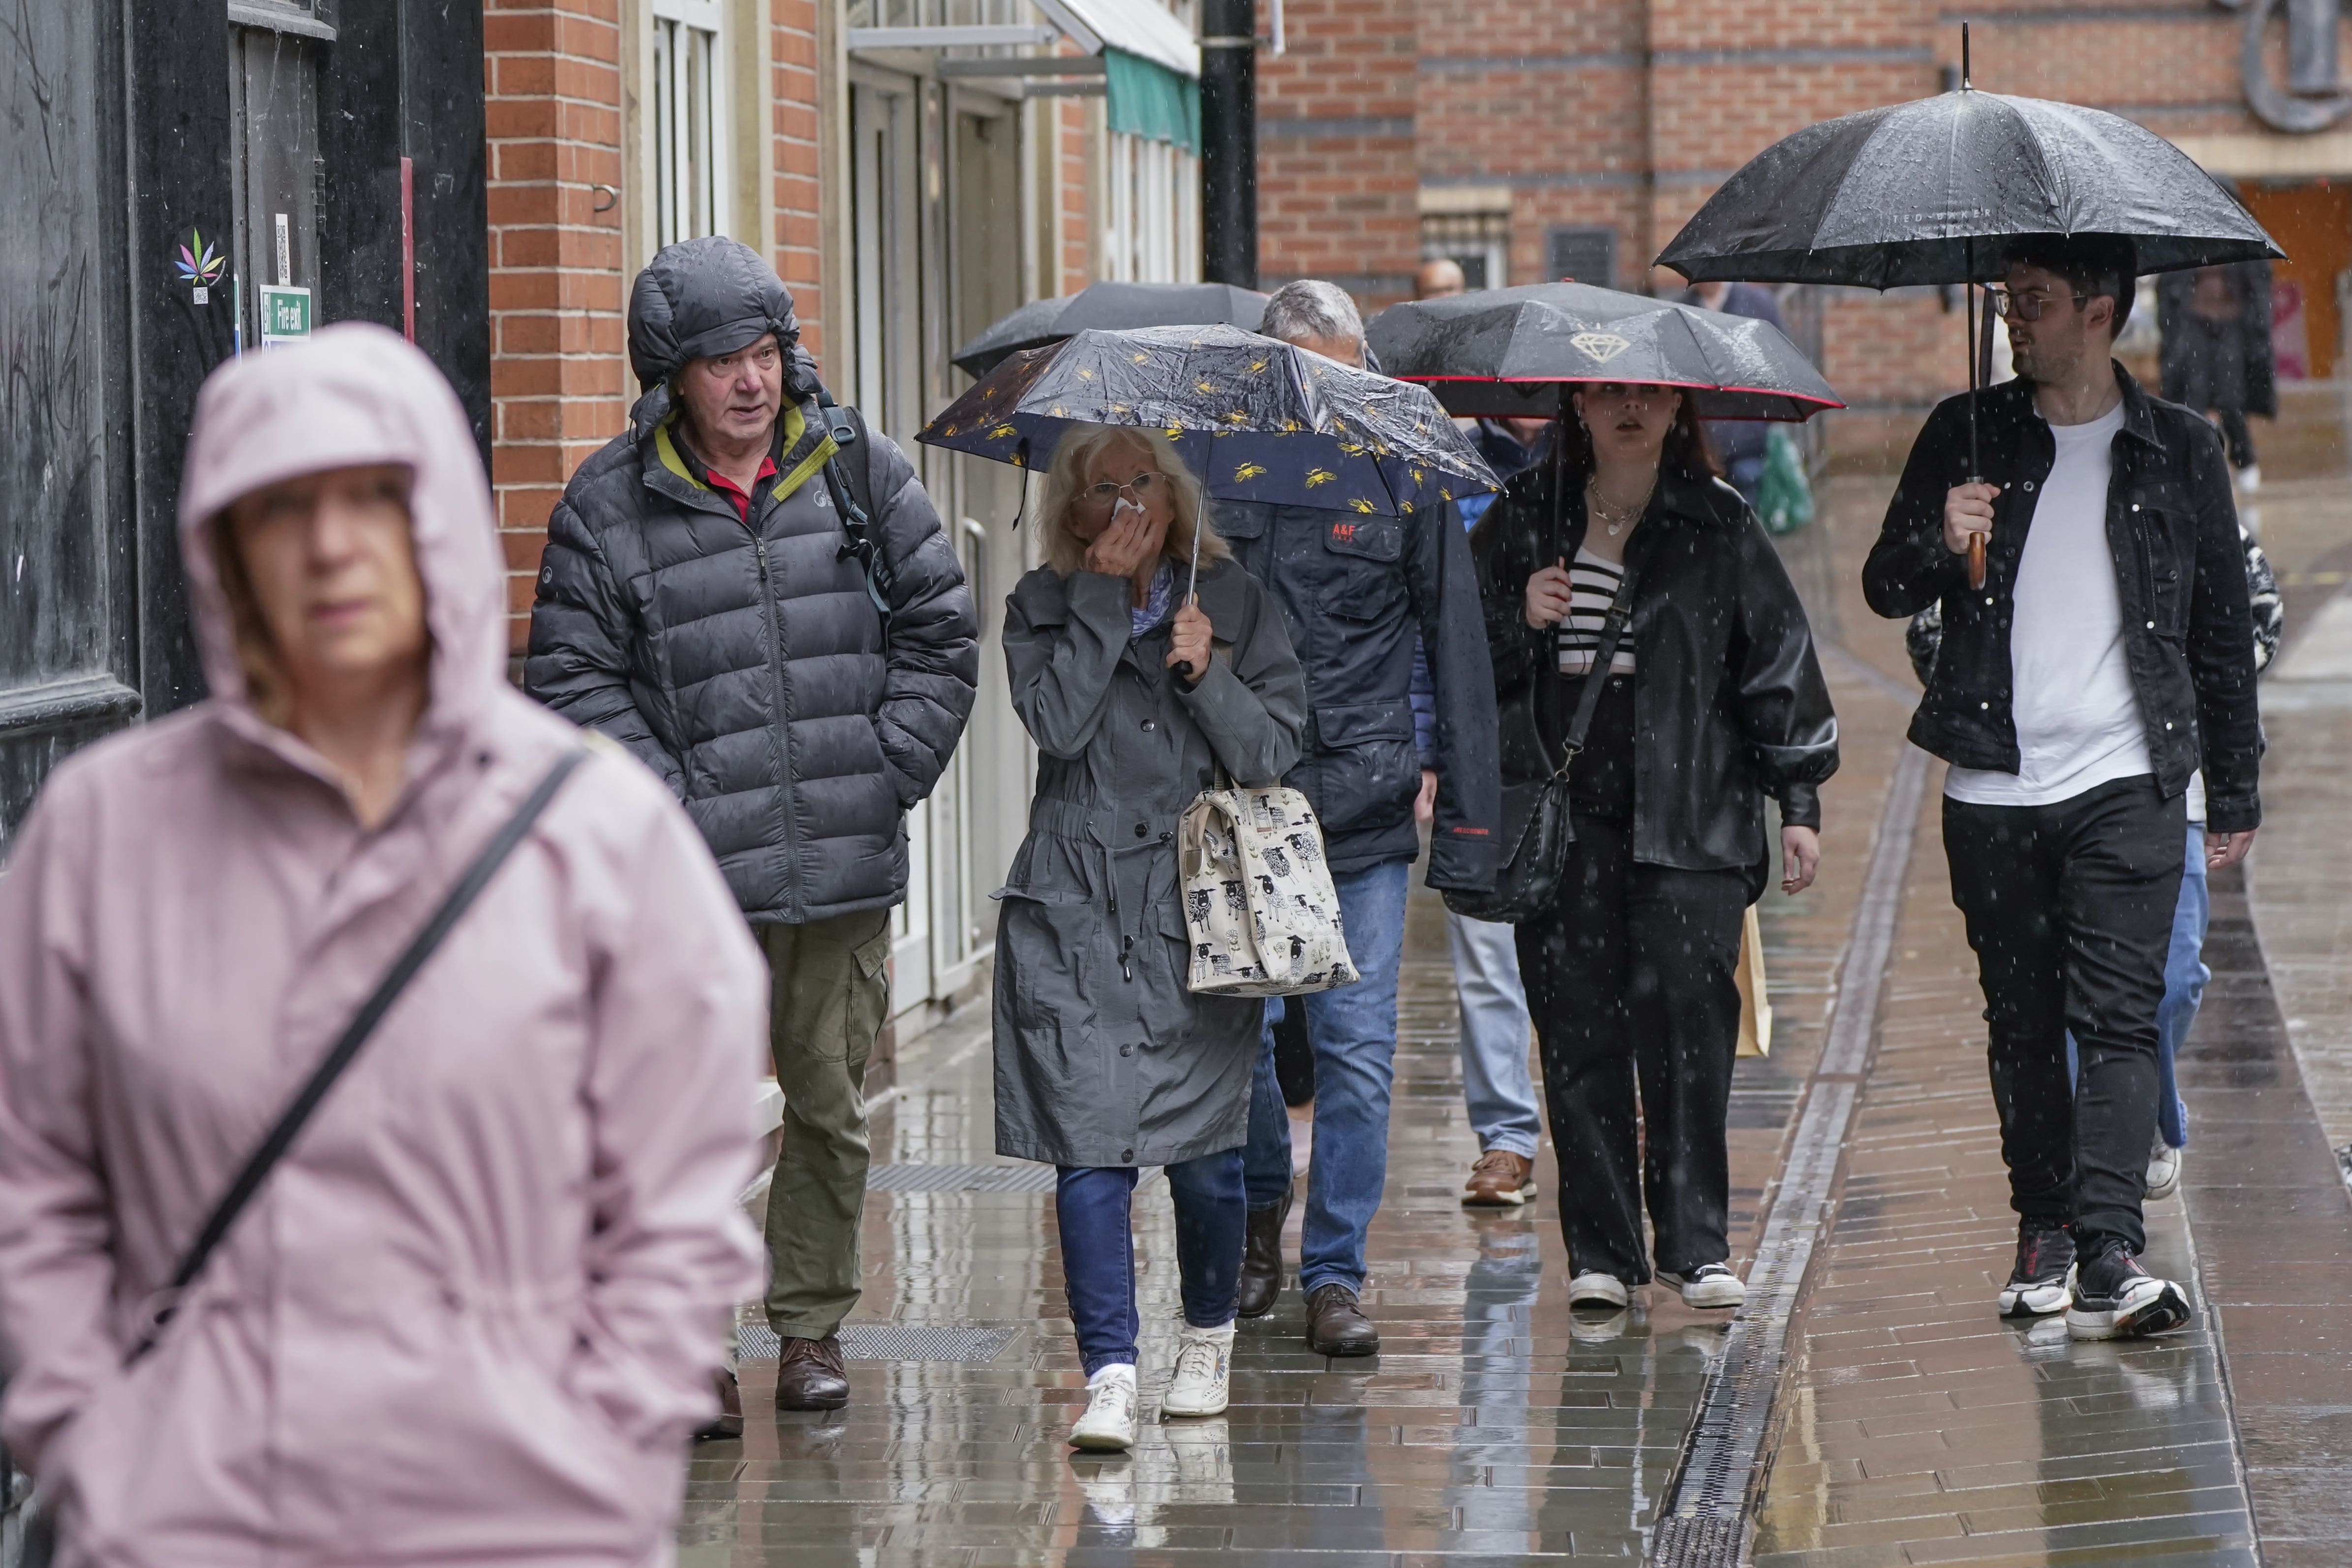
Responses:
[1255,419]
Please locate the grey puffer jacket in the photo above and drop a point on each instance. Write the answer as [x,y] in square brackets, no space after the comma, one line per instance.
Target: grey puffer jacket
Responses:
[1103,1057]
[745,664]
[740,656]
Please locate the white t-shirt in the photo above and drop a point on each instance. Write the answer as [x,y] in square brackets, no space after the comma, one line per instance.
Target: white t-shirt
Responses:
[2078,719]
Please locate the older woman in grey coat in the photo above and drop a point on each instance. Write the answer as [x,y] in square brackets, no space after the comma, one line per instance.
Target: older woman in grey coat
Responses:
[1104,1061]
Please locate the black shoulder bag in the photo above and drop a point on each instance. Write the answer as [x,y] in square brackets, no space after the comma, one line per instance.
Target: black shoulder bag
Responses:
[39,1541]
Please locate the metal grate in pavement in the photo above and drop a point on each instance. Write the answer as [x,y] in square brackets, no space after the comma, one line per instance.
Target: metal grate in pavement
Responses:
[1717,1542]
[1702,1521]
[1025,1178]
[963,1342]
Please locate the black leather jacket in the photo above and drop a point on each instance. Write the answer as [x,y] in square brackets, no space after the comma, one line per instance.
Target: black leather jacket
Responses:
[2172,527]
[1353,589]
[1730,705]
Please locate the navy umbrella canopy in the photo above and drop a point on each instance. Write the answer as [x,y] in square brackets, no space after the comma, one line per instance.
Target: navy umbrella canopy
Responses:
[1520,351]
[1256,419]
[1111,306]
[1929,191]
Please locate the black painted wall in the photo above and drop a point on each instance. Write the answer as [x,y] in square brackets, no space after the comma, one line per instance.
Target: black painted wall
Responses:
[115,148]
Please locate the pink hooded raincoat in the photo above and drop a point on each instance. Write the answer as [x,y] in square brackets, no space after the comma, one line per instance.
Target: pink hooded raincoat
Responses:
[473,1316]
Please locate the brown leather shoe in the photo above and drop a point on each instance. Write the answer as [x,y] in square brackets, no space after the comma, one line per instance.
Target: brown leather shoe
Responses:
[1335,1327]
[1261,1283]
[730,1412]
[1499,1180]
[810,1376]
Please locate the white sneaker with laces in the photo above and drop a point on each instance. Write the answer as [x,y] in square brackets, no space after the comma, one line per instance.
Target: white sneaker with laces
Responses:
[1596,1291]
[1204,1364]
[1108,1424]
[2163,1170]
[1708,1285]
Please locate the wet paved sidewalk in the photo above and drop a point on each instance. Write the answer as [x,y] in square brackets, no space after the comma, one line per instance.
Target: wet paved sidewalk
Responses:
[1491,1427]
[1911,1426]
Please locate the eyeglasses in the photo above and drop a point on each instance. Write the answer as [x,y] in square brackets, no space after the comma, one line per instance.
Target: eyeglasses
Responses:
[2025,307]
[1139,490]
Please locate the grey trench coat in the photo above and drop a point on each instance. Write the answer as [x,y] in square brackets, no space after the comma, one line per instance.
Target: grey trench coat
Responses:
[1103,1057]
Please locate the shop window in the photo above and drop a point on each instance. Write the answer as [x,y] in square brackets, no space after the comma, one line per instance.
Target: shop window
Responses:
[274,171]
[1477,242]
[1583,252]
[689,138]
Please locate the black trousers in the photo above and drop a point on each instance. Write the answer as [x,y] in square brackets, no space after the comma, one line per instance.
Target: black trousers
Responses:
[1630,982]
[2069,908]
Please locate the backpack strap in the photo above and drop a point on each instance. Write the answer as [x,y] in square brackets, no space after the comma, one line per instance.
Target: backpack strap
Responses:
[850,479]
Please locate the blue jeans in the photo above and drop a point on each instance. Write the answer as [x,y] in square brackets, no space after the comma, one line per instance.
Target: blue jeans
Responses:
[1353,1030]
[1094,1203]
[2185,975]
[1496,1083]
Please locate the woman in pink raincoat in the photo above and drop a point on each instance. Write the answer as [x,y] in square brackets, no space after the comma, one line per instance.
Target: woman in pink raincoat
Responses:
[476,1311]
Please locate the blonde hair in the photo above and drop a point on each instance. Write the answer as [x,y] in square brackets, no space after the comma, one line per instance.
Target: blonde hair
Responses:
[1066,487]
[265,685]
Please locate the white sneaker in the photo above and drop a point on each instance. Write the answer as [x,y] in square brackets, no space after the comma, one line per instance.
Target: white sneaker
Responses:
[2163,1171]
[1108,1425]
[1708,1285]
[2249,477]
[1204,1363]
[1596,1291]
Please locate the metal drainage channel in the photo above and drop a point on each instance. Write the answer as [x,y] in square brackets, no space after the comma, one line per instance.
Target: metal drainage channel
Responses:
[1022,1178]
[1703,1519]
[961,1343]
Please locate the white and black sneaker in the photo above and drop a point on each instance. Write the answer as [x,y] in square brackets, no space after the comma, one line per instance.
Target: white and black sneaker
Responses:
[2163,1170]
[2044,1275]
[2116,1298]
[1708,1285]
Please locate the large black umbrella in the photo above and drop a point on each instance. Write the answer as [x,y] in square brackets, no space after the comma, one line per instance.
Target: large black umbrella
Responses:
[1111,306]
[1256,419]
[1520,352]
[1929,191]
[1932,192]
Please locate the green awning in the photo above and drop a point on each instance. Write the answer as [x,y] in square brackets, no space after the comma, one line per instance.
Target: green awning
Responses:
[1149,99]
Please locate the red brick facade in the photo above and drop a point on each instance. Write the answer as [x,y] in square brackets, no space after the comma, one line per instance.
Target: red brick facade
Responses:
[1628,113]
[552,81]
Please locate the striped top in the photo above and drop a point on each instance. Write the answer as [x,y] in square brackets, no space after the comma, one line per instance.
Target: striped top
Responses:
[1591,588]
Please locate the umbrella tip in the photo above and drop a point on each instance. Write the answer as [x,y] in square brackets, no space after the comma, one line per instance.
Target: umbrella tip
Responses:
[1964,58]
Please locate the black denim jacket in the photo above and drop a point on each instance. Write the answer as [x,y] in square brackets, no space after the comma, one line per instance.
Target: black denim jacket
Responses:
[2172,528]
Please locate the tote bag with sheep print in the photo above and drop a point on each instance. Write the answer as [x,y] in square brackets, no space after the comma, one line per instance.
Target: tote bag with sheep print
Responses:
[1258,902]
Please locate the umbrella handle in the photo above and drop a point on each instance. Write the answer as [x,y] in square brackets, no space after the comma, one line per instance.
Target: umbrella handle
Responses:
[1975,562]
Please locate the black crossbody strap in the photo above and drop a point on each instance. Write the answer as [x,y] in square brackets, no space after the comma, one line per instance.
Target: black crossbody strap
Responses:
[1612,632]
[291,1120]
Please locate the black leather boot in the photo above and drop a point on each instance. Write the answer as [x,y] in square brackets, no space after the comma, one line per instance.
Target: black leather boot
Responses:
[1261,1259]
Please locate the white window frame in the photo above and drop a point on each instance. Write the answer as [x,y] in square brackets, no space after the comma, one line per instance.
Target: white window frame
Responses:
[690,128]
[1153,197]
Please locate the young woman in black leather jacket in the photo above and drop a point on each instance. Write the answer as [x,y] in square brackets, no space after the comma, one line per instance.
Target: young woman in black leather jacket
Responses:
[1714,701]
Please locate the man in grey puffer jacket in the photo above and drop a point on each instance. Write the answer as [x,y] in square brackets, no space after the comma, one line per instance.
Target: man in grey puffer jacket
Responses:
[712,599]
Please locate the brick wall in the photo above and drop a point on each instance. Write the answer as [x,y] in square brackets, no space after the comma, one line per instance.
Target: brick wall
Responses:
[798,242]
[553,84]
[1629,113]
[1337,187]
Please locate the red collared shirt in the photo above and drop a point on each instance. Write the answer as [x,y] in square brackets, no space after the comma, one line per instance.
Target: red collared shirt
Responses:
[742,499]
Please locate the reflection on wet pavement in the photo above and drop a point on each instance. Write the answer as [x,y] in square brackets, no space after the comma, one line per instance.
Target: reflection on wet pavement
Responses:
[1920,1427]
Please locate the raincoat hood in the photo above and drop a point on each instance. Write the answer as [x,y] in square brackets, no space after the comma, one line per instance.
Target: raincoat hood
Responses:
[702,298]
[354,394]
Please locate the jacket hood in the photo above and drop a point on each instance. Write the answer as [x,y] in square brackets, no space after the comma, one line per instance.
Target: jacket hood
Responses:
[701,297]
[356,393]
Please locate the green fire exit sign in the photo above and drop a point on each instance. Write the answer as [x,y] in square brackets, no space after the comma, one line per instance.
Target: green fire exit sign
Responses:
[285,314]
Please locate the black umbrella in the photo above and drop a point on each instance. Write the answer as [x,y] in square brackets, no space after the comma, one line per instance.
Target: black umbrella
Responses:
[1520,351]
[1256,419]
[1929,191]
[1111,306]
[1932,192]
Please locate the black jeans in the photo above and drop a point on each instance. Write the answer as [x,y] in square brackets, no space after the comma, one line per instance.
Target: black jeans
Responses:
[1630,979]
[2070,907]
